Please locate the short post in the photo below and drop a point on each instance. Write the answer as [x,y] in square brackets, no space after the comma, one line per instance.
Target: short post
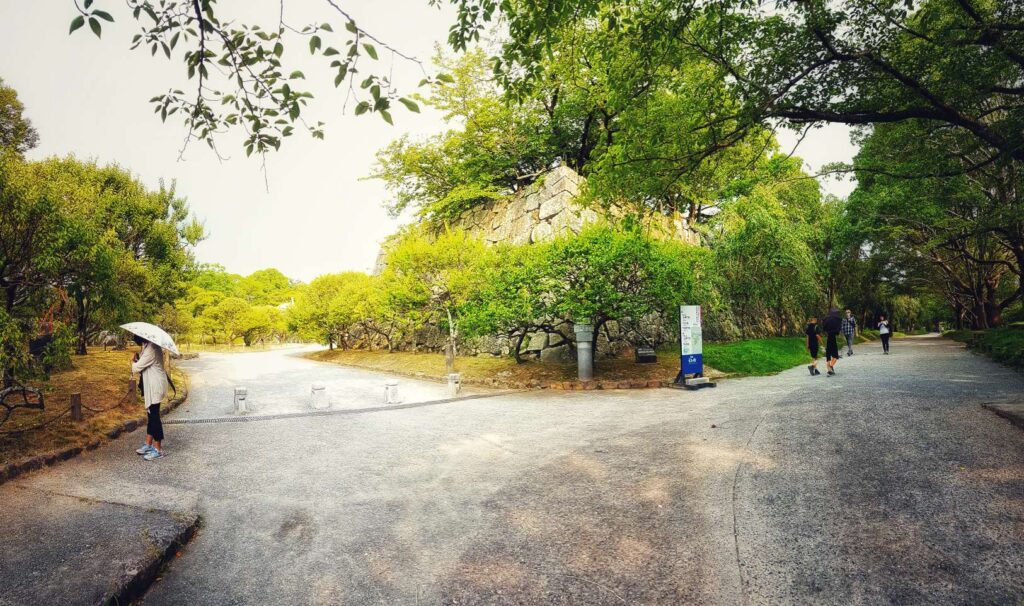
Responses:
[318,396]
[391,392]
[241,394]
[454,384]
[133,387]
[76,406]
[584,351]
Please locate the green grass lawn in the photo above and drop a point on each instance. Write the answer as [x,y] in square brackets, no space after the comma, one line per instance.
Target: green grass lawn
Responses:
[1004,345]
[756,356]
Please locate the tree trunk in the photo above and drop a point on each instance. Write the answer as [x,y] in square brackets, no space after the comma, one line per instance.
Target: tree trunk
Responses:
[449,350]
[519,345]
[83,324]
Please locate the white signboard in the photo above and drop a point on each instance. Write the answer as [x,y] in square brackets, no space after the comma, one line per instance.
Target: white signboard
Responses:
[691,339]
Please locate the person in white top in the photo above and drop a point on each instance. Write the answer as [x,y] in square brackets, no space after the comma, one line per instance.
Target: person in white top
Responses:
[884,331]
[149,364]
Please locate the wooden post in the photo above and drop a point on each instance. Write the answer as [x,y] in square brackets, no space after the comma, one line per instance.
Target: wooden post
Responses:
[133,388]
[76,406]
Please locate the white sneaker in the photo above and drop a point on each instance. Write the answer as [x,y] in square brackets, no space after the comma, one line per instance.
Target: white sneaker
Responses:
[152,454]
[145,448]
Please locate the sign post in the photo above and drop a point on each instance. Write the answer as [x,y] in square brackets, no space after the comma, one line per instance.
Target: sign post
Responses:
[691,345]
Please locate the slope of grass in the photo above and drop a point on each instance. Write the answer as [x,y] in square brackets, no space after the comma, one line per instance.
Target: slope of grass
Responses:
[102,379]
[1004,345]
[757,356]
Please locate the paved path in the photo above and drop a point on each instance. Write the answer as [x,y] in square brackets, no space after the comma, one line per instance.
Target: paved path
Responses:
[279,382]
[886,484]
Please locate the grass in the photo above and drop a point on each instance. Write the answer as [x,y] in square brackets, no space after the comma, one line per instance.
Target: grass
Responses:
[102,379]
[502,372]
[1004,345]
[757,356]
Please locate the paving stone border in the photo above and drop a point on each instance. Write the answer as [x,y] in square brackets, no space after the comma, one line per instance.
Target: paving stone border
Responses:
[592,385]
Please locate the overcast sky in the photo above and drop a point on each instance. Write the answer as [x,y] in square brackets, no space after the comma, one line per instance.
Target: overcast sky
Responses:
[89,98]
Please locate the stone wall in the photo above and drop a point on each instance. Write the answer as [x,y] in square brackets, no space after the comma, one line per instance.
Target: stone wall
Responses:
[541,212]
[547,209]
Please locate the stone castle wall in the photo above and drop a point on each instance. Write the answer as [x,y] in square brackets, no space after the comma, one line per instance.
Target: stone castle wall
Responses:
[548,209]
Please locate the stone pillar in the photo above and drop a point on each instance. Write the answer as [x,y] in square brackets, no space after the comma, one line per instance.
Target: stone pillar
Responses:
[76,407]
[241,394]
[584,351]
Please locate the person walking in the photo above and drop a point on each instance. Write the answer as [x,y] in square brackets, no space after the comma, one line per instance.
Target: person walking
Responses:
[849,330]
[149,364]
[813,342]
[833,325]
[884,331]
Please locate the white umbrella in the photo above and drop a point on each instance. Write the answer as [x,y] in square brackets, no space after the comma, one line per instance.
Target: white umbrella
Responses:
[154,334]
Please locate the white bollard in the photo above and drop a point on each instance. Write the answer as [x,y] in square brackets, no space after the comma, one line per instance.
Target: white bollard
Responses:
[391,392]
[454,384]
[318,397]
[241,394]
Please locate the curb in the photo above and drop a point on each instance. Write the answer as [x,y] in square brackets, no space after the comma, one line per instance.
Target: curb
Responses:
[13,470]
[134,584]
[1015,417]
[607,385]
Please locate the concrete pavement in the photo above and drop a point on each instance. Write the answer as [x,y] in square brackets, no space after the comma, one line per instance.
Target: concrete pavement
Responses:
[885,484]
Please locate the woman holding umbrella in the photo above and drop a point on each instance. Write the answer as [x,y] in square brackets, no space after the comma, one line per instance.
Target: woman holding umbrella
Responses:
[149,364]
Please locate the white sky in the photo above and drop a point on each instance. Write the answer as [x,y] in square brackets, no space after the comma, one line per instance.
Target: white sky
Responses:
[89,98]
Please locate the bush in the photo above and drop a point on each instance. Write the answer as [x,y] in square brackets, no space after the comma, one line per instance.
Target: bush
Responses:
[1004,345]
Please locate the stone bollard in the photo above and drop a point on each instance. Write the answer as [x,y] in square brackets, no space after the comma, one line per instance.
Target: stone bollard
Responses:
[318,397]
[76,407]
[454,384]
[241,394]
[584,351]
[391,392]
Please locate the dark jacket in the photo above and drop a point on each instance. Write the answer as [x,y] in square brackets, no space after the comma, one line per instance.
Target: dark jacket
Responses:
[832,325]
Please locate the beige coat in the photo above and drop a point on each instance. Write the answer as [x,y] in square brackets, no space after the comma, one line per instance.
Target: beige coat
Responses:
[154,378]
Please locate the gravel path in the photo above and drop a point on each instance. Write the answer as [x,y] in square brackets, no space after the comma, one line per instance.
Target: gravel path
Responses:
[885,484]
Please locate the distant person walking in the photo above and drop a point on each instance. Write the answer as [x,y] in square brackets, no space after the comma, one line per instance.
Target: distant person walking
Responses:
[149,364]
[833,324]
[849,330]
[884,331]
[813,342]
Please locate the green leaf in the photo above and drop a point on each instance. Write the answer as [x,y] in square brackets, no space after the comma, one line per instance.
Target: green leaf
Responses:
[76,23]
[293,113]
[326,27]
[103,15]
[362,107]
[295,75]
[387,116]
[445,78]
[331,51]
[410,104]
[314,44]
[278,49]
[370,50]
[351,26]
[94,25]
[88,3]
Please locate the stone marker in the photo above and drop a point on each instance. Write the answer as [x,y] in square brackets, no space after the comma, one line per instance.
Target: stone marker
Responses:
[76,406]
[454,384]
[318,396]
[584,351]
[241,394]
[391,392]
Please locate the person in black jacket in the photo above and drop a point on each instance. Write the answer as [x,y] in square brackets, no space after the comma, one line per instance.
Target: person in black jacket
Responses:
[833,325]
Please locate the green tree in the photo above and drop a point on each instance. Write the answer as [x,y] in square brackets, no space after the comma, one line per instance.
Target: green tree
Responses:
[431,281]
[16,131]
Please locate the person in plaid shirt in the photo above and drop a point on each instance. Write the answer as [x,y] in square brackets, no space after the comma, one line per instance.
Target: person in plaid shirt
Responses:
[849,329]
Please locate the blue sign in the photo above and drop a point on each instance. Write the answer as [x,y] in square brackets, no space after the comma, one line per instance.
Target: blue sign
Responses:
[693,364]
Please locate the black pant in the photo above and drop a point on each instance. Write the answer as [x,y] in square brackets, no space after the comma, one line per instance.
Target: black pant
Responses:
[832,347]
[153,425]
[885,342]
